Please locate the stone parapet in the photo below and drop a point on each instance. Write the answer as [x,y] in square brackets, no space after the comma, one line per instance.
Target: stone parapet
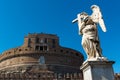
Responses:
[98,70]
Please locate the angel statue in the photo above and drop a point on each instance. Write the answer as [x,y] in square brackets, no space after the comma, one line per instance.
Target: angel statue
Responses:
[88,29]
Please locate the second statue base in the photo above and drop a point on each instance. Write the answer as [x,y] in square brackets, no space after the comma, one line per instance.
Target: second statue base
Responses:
[98,70]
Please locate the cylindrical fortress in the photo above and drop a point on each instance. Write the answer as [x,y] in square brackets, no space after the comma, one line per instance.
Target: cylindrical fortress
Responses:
[40,54]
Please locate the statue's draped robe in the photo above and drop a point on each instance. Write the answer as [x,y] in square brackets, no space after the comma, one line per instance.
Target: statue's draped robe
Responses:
[90,40]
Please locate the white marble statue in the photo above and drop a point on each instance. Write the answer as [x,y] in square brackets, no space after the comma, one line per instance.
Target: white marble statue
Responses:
[88,29]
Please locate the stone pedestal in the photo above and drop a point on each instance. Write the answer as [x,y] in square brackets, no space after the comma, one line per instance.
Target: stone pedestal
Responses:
[98,70]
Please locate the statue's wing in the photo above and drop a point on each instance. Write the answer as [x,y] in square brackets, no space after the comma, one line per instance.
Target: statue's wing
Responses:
[101,22]
[97,17]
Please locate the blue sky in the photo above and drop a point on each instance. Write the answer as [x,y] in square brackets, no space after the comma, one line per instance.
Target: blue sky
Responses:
[20,17]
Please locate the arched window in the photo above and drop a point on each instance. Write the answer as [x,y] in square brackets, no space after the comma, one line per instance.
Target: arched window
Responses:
[42,60]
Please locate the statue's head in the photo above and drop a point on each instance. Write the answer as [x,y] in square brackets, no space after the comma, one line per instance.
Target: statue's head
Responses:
[83,13]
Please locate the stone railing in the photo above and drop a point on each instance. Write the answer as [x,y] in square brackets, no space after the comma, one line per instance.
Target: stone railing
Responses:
[41,76]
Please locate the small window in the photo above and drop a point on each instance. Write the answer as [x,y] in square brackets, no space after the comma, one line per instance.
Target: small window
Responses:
[42,60]
[45,48]
[29,41]
[77,54]
[26,49]
[55,50]
[53,41]
[41,48]
[9,52]
[67,51]
[20,50]
[37,40]
[37,48]
[46,40]
[61,50]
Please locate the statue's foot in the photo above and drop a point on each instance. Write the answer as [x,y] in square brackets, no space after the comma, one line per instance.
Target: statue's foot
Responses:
[97,59]
[101,58]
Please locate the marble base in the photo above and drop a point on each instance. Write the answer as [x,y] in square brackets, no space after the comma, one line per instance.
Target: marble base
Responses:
[98,70]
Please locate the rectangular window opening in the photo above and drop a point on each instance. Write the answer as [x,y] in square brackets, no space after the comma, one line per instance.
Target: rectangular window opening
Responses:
[41,48]
[45,48]
[37,48]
